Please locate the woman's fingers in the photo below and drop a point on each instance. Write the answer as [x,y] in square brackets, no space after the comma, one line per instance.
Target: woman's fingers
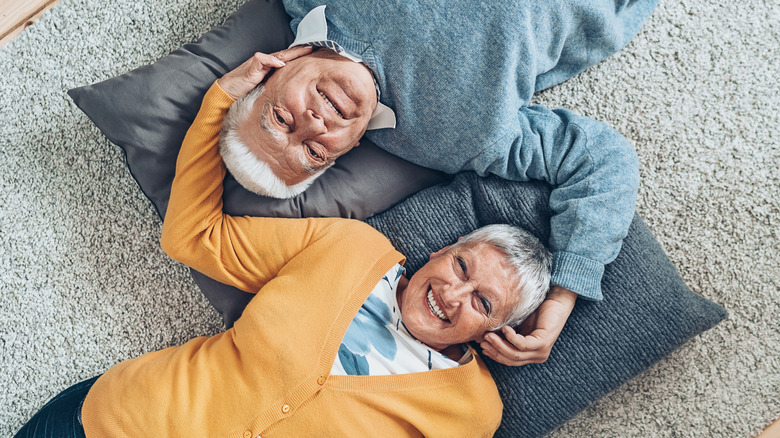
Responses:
[293,52]
[244,78]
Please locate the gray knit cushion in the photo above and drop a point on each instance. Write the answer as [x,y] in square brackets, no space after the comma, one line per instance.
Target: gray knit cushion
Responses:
[646,313]
[647,310]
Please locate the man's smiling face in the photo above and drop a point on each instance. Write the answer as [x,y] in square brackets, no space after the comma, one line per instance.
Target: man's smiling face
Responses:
[313,110]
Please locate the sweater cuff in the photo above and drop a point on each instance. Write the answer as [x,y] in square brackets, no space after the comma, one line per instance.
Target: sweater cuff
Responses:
[219,95]
[578,274]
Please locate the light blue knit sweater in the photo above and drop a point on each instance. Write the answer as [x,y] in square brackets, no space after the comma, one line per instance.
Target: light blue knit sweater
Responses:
[460,74]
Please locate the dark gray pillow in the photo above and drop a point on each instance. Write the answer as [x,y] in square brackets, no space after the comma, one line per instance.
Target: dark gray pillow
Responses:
[147,112]
[647,311]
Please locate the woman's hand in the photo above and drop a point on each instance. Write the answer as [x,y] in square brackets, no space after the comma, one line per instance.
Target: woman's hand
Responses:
[537,333]
[245,77]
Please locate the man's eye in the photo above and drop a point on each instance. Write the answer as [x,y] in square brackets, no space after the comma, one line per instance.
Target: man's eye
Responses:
[279,118]
[314,153]
[485,305]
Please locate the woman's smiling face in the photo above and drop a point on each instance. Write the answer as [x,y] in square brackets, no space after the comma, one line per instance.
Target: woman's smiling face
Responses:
[463,292]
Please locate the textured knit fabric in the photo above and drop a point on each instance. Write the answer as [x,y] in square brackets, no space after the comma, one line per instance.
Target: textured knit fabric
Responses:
[647,310]
[269,374]
[459,76]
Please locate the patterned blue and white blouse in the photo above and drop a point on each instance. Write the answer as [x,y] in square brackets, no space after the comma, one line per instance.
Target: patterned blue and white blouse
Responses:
[377,342]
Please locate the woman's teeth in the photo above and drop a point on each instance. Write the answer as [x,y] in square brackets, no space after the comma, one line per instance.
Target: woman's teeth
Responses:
[435,307]
[330,103]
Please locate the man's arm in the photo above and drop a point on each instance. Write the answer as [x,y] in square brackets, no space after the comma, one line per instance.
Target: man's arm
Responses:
[594,174]
[532,342]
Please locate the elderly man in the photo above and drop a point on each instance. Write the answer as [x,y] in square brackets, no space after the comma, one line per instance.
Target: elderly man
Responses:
[286,132]
[447,87]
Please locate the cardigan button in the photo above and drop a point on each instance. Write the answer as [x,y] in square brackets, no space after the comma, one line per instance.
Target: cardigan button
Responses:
[247,434]
[286,409]
[321,380]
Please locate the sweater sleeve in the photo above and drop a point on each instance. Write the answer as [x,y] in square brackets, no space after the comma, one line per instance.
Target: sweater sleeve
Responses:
[245,252]
[595,176]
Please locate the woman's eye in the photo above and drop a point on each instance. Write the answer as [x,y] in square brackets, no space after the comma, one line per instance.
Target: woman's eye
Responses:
[462,264]
[485,305]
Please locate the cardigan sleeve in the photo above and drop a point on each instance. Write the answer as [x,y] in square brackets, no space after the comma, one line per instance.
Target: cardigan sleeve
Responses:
[245,252]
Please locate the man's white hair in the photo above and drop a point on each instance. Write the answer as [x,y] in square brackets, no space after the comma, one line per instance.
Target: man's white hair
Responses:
[250,171]
[530,261]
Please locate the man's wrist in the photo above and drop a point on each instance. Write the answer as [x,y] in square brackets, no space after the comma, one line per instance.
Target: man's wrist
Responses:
[577,274]
[562,295]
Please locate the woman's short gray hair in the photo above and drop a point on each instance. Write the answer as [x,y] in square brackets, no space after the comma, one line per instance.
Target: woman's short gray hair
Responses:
[532,263]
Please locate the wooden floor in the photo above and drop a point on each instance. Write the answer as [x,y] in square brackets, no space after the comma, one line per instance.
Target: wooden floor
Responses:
[16,15]
[773,431]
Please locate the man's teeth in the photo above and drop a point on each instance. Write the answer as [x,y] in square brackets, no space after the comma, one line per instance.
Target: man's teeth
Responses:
[435,307]
[330,103]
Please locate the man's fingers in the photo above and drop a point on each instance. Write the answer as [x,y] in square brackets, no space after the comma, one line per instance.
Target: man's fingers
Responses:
[488,349]
[512,361]
[530,323]
[532,342]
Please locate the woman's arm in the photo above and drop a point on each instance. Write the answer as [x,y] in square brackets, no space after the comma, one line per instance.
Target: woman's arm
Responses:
[241,251]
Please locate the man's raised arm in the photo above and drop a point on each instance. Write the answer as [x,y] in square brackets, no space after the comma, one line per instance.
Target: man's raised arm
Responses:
[595,176]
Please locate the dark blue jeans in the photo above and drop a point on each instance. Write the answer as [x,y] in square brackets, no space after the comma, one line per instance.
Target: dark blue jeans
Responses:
[61,416]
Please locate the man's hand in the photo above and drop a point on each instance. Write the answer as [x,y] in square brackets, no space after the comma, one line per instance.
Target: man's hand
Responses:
[245,77]
[537,333]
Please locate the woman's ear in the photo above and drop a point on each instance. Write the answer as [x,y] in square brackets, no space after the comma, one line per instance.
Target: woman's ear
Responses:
[439,252]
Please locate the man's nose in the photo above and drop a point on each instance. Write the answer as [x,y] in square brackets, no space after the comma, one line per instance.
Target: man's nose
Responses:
[314,125]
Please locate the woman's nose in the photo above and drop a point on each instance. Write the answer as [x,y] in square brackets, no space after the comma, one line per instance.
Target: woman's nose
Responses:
[454,293]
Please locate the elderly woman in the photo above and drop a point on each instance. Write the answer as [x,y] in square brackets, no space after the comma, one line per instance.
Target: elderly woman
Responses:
[336,342]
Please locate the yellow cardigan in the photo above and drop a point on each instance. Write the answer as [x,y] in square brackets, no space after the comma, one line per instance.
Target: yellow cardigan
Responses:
[269,375]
